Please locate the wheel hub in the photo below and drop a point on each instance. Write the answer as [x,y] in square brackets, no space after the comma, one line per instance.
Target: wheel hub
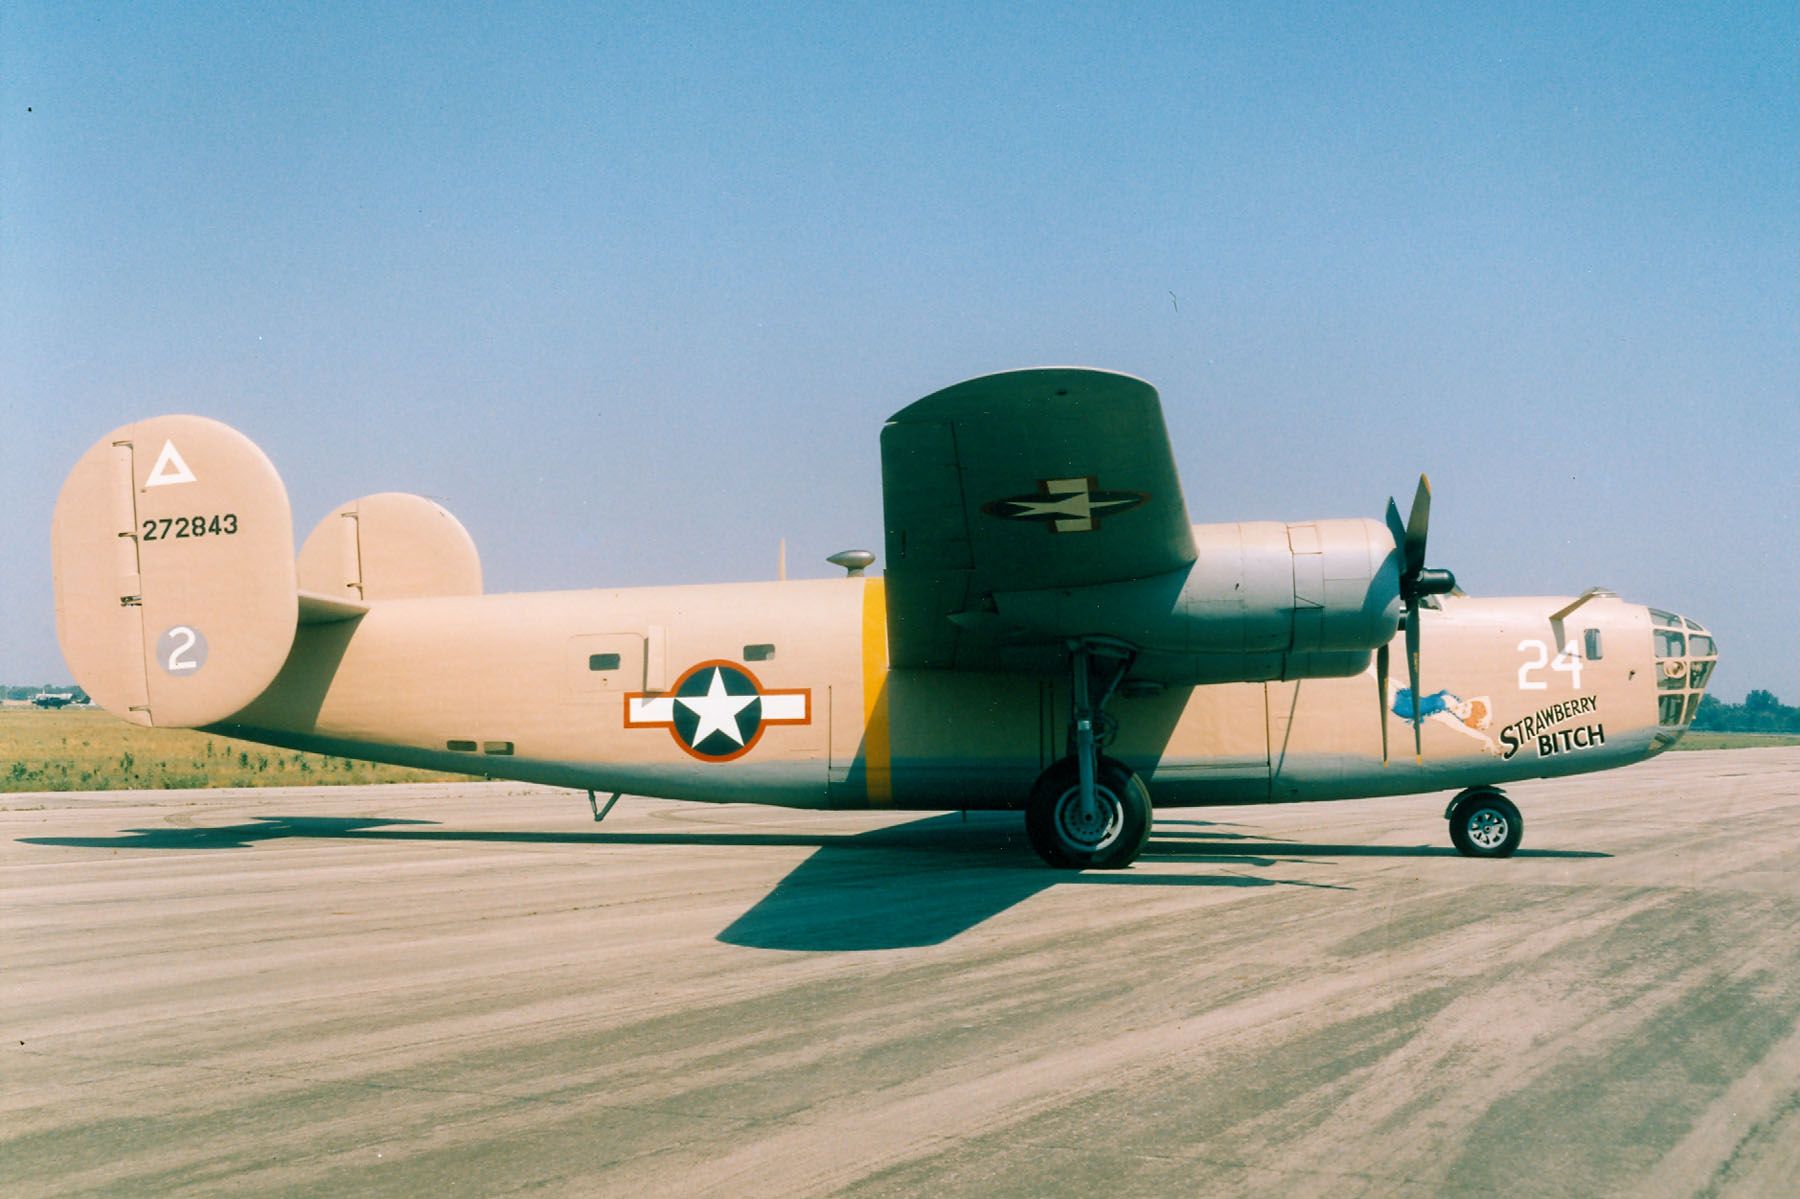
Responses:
[1487,828]
[1094,828]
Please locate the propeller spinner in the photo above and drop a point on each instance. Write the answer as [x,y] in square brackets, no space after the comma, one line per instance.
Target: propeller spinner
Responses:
[1416,582]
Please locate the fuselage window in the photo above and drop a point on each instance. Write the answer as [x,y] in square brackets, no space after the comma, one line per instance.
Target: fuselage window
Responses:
[603,661]
[1592,639]
[758,653]
[461,747]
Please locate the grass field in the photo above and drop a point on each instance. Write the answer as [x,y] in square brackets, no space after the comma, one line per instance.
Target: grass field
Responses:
[88,750]
[1735,740]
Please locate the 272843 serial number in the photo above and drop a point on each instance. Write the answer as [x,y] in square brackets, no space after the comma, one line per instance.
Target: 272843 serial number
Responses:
[180,528]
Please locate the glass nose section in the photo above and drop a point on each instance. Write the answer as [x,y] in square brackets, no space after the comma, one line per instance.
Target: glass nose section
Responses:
[1685,655]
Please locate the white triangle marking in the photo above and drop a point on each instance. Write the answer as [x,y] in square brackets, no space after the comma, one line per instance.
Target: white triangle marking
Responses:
[169,468]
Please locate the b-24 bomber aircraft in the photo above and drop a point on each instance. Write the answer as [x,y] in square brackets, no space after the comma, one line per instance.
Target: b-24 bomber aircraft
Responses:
[1051,633]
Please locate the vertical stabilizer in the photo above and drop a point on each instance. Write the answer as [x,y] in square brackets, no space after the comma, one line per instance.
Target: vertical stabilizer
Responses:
[389,546]
[173,554]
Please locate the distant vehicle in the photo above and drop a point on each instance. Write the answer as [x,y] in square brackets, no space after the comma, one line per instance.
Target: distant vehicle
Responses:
[1052,634]
[53,699]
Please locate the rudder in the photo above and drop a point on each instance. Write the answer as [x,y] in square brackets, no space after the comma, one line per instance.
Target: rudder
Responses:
[389,546]
[173,557]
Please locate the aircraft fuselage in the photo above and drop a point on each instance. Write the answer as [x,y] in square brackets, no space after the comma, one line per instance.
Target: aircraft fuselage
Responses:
[781,693]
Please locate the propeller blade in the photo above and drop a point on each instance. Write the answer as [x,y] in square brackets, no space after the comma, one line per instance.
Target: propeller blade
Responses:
[1381,686]
[1416,582]
[1398,530]
[1412,674]
[1416,525]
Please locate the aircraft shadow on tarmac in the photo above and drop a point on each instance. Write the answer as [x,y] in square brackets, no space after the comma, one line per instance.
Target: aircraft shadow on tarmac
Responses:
[905,886]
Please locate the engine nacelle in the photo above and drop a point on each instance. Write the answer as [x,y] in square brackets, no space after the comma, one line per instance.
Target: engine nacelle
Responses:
[1262,600]
[1319,587]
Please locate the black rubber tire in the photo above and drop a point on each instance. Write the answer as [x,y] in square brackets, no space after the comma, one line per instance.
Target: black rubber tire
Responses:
[1124,803]
[1485,824]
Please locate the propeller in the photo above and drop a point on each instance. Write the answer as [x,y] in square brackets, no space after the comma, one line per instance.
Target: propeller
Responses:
[1381,700]
[1416,582]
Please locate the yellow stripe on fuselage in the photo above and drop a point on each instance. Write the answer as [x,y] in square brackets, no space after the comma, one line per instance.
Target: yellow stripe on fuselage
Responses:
[877,761]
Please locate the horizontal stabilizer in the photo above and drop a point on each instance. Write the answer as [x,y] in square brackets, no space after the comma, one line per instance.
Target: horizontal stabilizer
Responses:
[328,609]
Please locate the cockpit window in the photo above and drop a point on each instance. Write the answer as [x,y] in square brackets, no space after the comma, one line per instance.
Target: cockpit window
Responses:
[1685,657]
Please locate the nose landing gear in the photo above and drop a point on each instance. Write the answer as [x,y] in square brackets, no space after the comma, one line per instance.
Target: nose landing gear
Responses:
[1484,823]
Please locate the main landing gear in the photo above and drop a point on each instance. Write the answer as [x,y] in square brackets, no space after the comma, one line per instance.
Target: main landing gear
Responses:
[1484,823]
[1089,812]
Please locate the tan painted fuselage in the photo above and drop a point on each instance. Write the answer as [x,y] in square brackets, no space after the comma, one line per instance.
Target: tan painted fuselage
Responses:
[1036,536]
[580,689]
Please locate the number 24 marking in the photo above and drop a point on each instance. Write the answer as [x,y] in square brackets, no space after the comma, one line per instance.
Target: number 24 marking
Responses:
[1567,661]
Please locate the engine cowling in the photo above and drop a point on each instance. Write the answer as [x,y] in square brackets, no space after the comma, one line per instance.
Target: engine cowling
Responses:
[1262,600]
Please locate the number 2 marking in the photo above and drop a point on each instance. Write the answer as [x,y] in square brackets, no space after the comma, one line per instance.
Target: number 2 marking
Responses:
[178,659]
[1567,661]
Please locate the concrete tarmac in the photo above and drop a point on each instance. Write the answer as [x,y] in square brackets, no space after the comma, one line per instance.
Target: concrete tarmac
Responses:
[473,990]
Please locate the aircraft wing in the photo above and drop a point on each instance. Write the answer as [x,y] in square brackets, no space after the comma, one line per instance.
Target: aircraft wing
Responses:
[1029,479]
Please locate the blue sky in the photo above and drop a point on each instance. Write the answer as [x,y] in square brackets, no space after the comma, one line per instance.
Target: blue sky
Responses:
[631,288]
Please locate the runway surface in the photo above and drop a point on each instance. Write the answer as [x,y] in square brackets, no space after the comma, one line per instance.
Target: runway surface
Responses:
[472,990]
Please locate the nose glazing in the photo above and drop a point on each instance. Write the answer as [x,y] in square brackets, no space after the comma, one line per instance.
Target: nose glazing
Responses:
[1685,655]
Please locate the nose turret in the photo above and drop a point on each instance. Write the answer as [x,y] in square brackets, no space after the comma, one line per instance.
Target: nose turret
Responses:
[1685,655]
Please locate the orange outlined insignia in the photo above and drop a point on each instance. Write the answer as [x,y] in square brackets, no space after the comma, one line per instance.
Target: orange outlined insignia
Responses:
[717,710]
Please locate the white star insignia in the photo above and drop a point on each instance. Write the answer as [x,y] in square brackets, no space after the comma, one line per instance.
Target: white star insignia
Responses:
[717,710]
[703,696]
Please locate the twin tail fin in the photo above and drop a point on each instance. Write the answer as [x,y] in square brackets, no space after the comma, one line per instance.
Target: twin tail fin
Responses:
[178,591]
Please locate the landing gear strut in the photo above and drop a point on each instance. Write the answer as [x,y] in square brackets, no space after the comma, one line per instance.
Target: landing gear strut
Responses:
[594,804]
[1484,823]
[1088,811]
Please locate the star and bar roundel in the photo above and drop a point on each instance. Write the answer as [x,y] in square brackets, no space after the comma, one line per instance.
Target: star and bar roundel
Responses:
[1066,505]
[717,710]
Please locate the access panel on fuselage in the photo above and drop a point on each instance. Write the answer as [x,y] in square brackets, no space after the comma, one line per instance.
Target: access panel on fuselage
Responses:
[602,662]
